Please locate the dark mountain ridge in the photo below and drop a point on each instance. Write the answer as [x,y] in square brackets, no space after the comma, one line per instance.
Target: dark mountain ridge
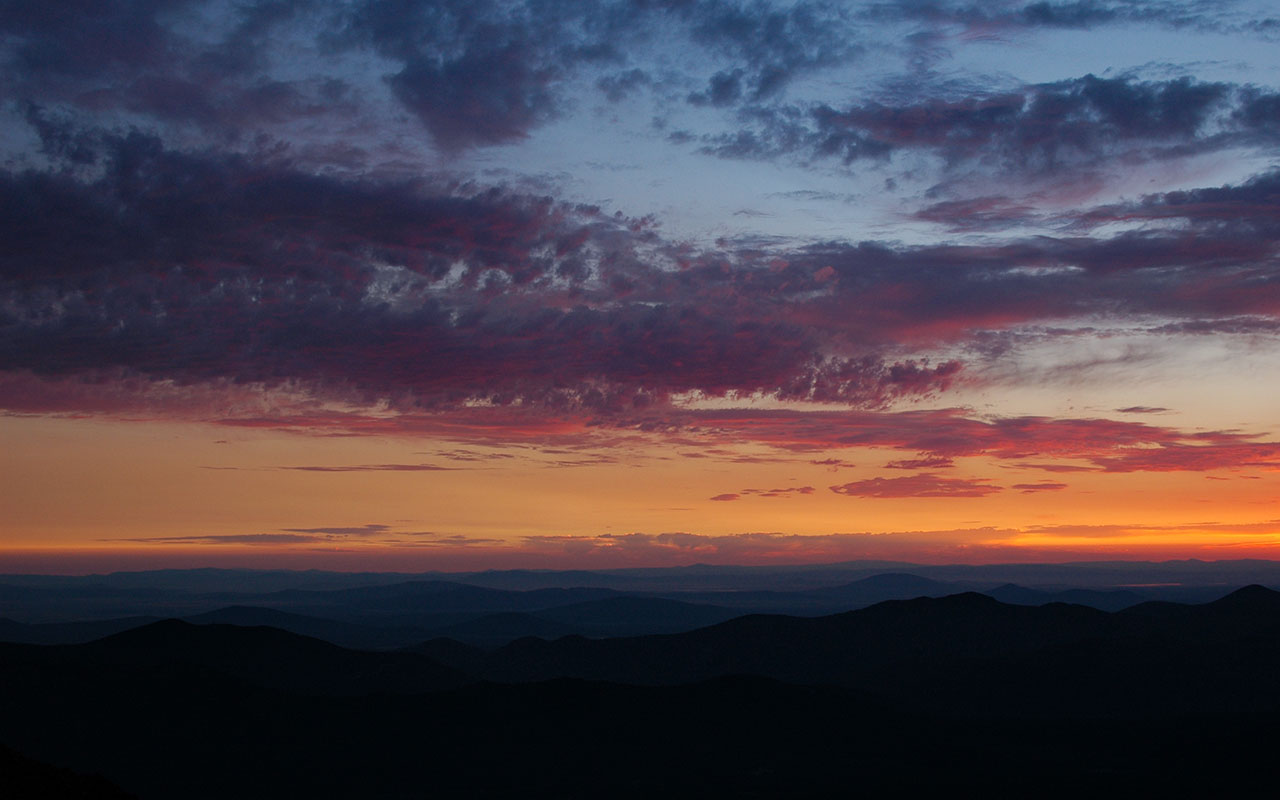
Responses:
[898,649]
[261,656]
[959,694]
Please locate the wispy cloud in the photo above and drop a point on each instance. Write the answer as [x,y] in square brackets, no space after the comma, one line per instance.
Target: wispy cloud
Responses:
[790,491]
[372,468]
[922,485]
[1042,486]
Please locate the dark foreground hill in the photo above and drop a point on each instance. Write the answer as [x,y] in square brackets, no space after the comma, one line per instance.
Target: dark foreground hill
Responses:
[956,695]
[22,777]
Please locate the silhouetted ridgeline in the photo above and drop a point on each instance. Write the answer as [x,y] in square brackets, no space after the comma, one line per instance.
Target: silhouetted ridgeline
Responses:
[958,693]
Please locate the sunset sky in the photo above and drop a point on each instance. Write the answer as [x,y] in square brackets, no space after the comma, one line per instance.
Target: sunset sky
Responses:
[449,285]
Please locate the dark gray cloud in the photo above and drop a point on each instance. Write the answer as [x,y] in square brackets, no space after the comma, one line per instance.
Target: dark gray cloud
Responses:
[972,16]
[1250,210]
[1040,129]
[485,73]
[774,44]
[143,57]
[475,73]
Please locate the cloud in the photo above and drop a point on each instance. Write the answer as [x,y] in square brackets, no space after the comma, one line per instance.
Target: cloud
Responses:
[833,464]
[269,275]
[372,534]
[1043,486]
[1102,444]
[373,468]
[474,74]
[1111,445]
[446,542]
[921,485]
[486,96]
[773,44]
[929,462]
[484,73]
[1071,14]
[1039,129]
[266,539]
[138,59]
[1248,209]
[589,461]
[488,73]
[978,213]
[726,497]
[1029,442]
[472,456]
[783,492]
[364,530]
[1179,457]
[1057,467]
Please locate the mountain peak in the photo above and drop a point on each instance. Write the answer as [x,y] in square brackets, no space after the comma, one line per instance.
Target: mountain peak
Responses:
[1251,595]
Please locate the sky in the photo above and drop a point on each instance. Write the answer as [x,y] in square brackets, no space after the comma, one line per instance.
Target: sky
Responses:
[412,285]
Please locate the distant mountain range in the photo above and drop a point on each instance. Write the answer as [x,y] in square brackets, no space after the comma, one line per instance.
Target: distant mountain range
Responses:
[382,613]
[695,577]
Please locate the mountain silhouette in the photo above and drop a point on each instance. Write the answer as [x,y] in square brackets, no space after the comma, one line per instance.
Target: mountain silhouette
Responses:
[615,616]
[959,694]
[1114,600]
[961,652]
[22,777]
[830,650]
[418,605]
[886,586]
[67,632]
[499,629]
[263,656]
[344,634]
